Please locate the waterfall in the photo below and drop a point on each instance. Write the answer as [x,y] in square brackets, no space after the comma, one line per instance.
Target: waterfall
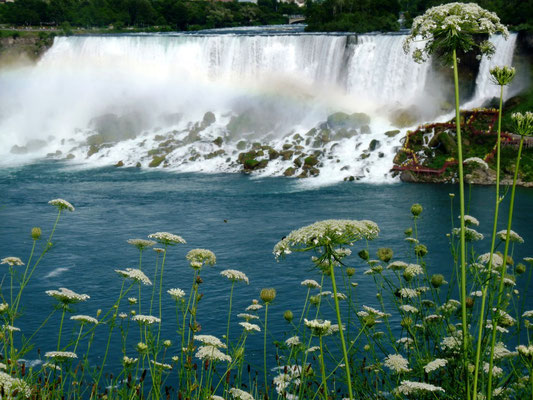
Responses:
[103,99]
[485,88]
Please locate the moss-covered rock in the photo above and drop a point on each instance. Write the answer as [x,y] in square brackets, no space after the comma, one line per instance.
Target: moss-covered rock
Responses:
[242,144]
[341,120]
[209,118]
[215,154]
[119,164]
[392,133]
[310,161]
[219,141]
[374,144]
[287,154]
[404,117]
[289,171]
[156,161]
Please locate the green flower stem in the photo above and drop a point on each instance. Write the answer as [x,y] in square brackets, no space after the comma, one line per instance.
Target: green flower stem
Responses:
[61,327]
[265,350]
[323,369]
[492,246]
[229,312]
[305,305]
[161,290]
[502,277]
[462,208]
[140,268]
[337,309]
[78,339]
[155,281]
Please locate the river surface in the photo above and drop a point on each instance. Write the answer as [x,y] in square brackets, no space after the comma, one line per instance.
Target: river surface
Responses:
[238,217]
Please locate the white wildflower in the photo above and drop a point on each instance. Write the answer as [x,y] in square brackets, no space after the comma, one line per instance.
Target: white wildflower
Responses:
[240,394]
[310,283]
[397,266]
[408,308]
[145,319]
[397,363]
[200,257]
[166,238]
[317,326]
[60,355]
[210,340]
[247,316]
[435,364]
[234,275]
[84,319]
[248,327]
[322,233]
[136,274]
[513,236]
[480,162]
[293,341]
[211,353]
[408,293]
[410,387]
[67,296]
[176,293]
[471,235]
[12,261]
[61,204]
[127,361]
[141,244]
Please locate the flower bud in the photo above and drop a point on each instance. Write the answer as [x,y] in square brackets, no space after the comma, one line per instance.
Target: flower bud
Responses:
[314,300]
[36,233]
[350,271]
[421,250]
[469,301]
[416,209]
[268,295]
[408,232]
[288,315]
[406,322]
[385,254]
[141,347]
[364,254]
[437,280]
[167,343]
[367,347]
[520,268]
[502,75]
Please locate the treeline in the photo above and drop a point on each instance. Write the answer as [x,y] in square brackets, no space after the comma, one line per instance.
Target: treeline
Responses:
[383,15]
[517,14]
[321,15]
[165,14]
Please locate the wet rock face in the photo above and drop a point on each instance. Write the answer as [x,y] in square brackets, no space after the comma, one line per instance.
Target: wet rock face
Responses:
[112,128]
[342,120]
[31,146]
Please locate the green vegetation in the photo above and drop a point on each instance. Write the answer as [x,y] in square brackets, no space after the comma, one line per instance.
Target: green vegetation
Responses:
[159,15]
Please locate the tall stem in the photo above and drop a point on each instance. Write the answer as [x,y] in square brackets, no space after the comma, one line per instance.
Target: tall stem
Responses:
[265,350]
[462,208]
[492,246]
[323,370]
[161,290]
[504,269]
[229,312]
[61,327]
[337,309]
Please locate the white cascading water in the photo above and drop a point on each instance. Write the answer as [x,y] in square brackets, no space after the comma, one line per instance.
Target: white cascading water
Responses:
[485,88]
[284,85]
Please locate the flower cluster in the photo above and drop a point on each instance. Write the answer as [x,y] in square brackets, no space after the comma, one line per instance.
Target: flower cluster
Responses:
[235,276]
[332,232]
[11,261]
[14,388]
[451,27]
[211,353]
[141,244]
[67,296]
[176,293]
[60,355]
[248,327]
[318,327]
[61,204]
[513,236]
[408,388]
[210,340]
[84,319]
[523,123]
[168,239]
[502,75]
[397,363]
[136,274]
[476,160]
[200,257]
[145,319]
[311,284]
[240,394]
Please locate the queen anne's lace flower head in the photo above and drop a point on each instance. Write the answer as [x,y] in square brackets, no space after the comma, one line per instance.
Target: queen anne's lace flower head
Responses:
[435,364]
[397,363]
[60,355]
[409,388]
[451,27]
[311,284]
[61,204]
[513,236]
[471,235]
[478,161]
[248,327]
[240,394]
[11,261]
[176,293]
[128,361]
[145,319]
[210,340]
[502,75]
[211,353]
[168,239]
[328,232]
[84,319]
[67,296]
[141,244]
[523,123]
[136,274]
[318,327]
[200,257]
[14,388]
[235,276]
[293,341]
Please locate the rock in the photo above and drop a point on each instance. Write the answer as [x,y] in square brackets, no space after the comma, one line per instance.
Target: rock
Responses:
[298,138]
[159,138]
[344,134]
[18,149]
[156,161]
[32,145]
[342,120]
[298,162]
[364,156]
[209,118]
[405,117]
[448,142]
[138,165]
[289,171]
[310,161]
[365,129]
[218,141]
[374,144]
[272,154]
[286,154]
[381,155]
[93,149]
[314,171]
[311,132]
[392,133]
[242,145]
[215,154]
[114,129]
[303,174]
[119,164]
[287,146]
[70,156]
